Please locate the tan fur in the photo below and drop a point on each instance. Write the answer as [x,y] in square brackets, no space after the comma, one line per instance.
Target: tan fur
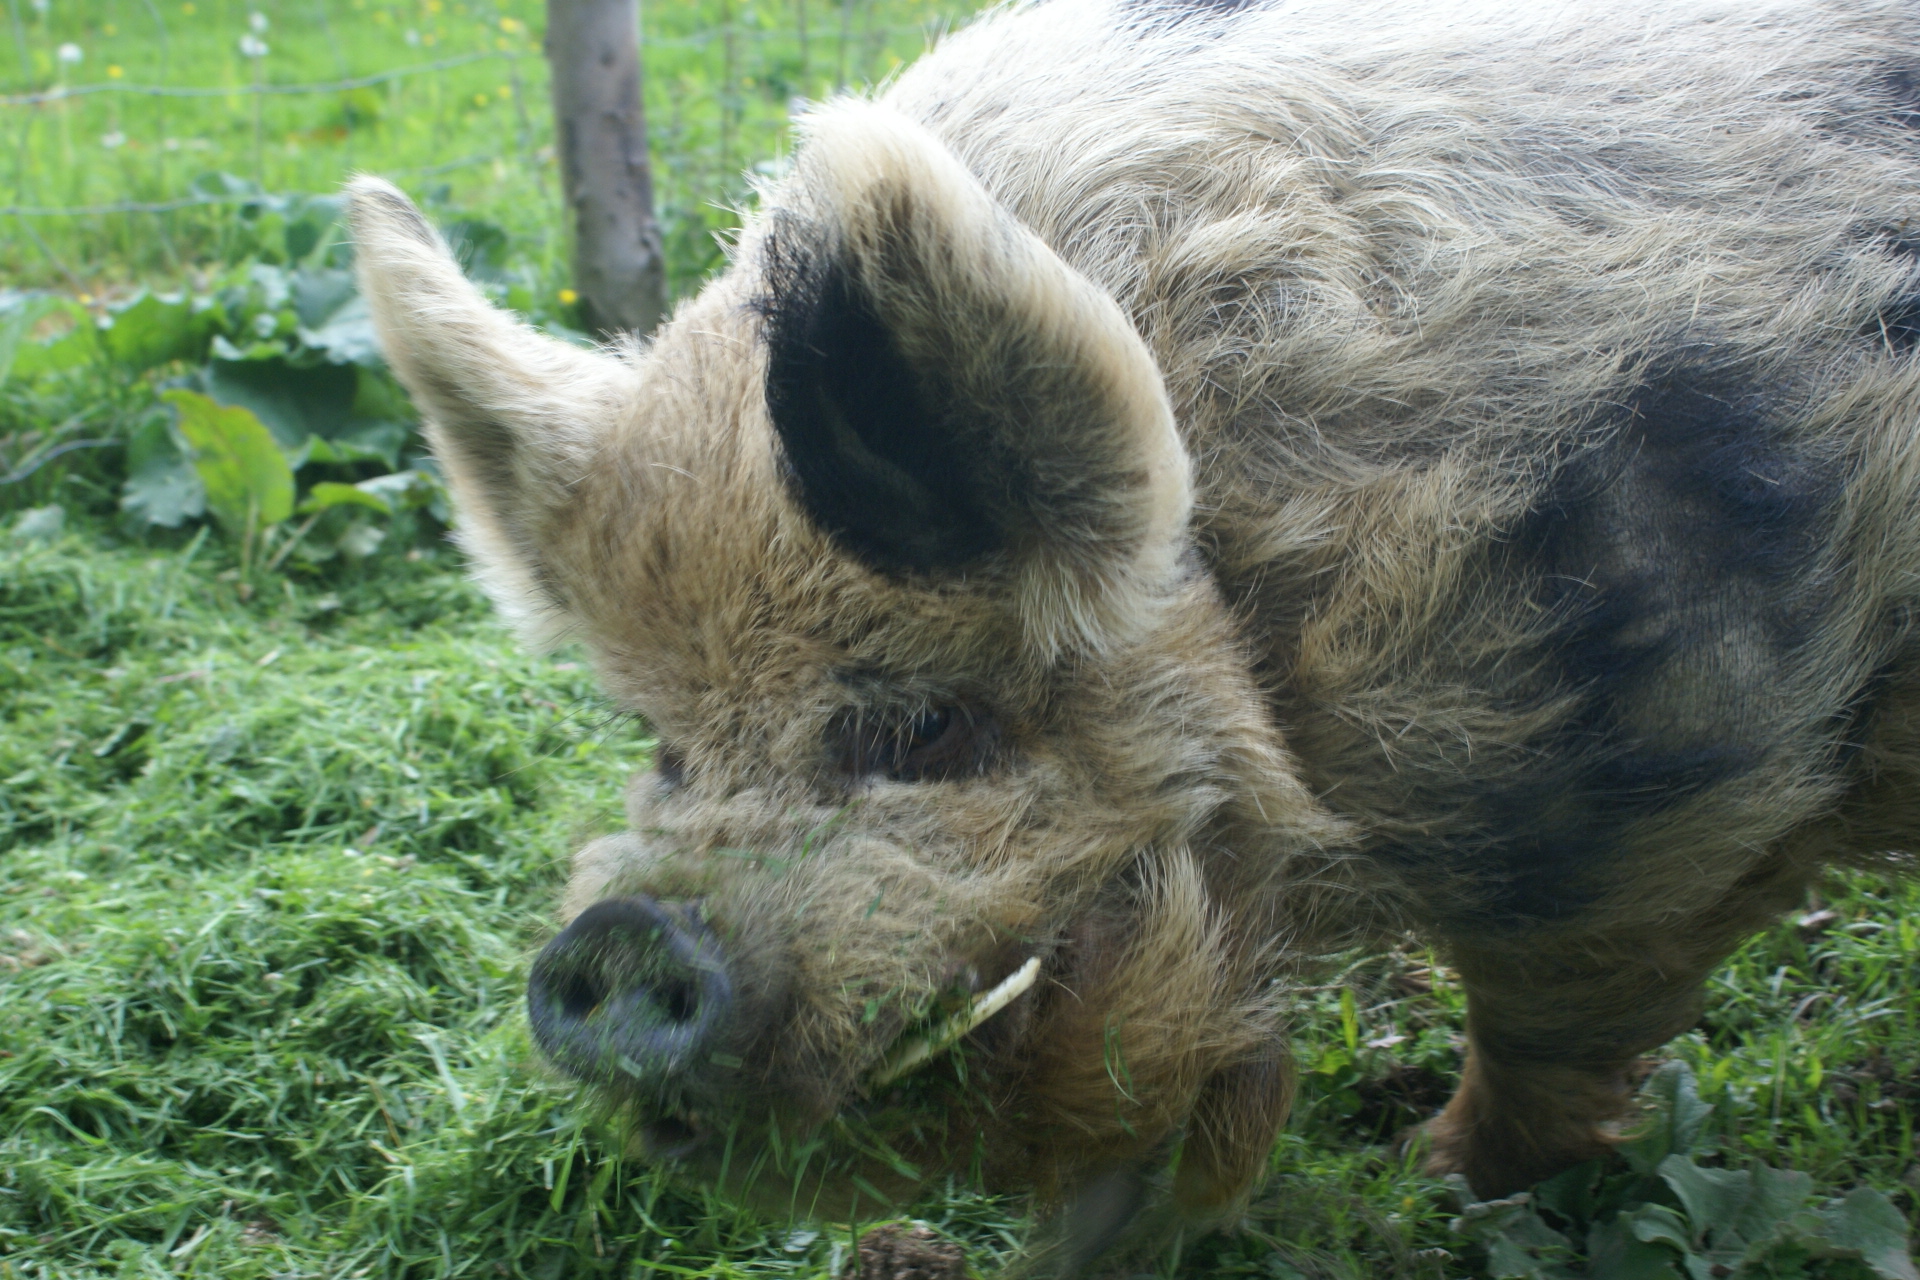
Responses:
[1340,363]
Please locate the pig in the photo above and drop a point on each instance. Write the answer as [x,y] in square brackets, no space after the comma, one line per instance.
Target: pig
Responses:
[1165,492]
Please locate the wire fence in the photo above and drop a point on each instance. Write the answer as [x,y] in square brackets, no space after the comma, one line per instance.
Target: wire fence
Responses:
[194,111]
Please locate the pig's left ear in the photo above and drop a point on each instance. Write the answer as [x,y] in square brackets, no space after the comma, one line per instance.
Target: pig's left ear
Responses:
[515,418]
[954,399]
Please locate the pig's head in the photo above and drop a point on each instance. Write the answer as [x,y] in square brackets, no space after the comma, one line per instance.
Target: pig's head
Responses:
[886,536]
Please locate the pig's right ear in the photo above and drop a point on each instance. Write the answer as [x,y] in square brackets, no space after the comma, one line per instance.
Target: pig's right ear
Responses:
[953,400]
[514,417]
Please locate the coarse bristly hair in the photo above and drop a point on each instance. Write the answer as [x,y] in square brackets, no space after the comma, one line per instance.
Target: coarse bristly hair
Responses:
[1174,489]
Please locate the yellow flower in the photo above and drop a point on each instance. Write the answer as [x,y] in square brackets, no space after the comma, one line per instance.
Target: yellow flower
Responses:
[479,99]
[114,73]
[503,92]
[109,30]
[568,297]
[512,26]
[188,8]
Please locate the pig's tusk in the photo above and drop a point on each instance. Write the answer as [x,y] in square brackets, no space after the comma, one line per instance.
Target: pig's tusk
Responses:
[917,1051]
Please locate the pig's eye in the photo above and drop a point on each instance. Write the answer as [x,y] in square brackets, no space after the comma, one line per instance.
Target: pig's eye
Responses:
[939,742]
[669,766]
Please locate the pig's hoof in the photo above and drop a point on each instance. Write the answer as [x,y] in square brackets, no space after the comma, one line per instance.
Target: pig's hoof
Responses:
[897,1251]
[1494,1168]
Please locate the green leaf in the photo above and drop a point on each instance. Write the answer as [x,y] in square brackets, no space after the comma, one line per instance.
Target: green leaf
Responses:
[1528,1250]
[1574,1193]
[246,476]
[162,486]
[318,293]
[293,402]
[402,490]
[479,246]
[1713,1198]
[327,494]
[1657,1224]
[1615,1251]
[1678,1118]
[353,445]
[1774,1197]
[153,330]
[1865,1224]
[312,226]
[347,337]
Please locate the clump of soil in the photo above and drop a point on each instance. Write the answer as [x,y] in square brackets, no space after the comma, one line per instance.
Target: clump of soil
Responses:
[898,1251]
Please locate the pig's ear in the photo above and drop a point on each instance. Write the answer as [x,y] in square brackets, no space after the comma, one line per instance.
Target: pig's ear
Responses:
[514,417]
[954,399]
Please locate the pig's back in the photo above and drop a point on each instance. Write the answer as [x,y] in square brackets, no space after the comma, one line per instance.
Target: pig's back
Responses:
[1549,378]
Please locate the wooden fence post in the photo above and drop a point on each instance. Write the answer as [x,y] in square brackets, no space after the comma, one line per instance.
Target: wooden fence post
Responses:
[593,47]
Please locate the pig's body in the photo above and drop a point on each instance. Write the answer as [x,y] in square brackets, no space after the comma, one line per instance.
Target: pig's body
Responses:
[1546,375]
[1174,489]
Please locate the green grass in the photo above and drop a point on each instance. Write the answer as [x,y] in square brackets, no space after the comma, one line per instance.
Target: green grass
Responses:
[270,873]
[477,135]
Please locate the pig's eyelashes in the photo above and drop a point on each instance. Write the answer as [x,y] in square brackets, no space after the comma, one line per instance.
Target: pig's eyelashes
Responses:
[936,743]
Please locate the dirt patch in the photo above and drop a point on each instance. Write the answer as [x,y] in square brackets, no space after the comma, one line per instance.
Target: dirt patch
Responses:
[898,1251]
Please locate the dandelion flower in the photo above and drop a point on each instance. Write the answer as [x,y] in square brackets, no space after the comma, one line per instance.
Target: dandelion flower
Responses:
[252,46]
[69,54]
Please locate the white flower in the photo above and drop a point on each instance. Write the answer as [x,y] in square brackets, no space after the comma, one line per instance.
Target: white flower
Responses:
[258,22]
[412,37]
[40,7]
[69,54]
[253,46]
[114,139]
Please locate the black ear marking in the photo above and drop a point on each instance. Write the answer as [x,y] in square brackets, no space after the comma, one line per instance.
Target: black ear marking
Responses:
[876,449]
[404,215]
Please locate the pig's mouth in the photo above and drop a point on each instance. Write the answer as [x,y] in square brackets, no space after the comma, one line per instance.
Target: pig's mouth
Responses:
[636,996]
[673,1134]
[917,1047]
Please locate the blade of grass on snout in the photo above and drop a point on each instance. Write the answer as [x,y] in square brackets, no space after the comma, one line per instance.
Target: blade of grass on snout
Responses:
[913,1053]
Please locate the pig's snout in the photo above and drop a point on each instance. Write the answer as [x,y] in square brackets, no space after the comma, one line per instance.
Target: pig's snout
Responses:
[631,993]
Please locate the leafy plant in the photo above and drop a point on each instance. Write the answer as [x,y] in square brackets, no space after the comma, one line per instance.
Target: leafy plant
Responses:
[1667,1217]
[246,479]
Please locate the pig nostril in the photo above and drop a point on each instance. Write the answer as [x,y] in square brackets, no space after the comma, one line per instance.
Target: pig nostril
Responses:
[676,999]
[628,993]
[578,995]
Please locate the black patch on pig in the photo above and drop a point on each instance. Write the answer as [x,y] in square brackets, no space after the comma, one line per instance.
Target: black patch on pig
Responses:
[870,445]
[1681,563]
[1901,88]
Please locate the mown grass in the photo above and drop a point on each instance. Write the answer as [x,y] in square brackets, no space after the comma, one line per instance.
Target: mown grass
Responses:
[270,872]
